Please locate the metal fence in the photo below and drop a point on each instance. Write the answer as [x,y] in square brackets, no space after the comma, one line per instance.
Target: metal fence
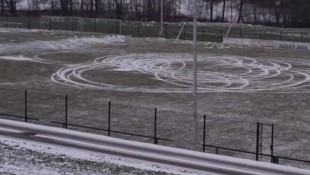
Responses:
[58,106]
[258,154]
[56,109]
[212,32]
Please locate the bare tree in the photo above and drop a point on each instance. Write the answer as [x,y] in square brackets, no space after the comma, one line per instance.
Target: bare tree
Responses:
[118,9]
[223,10]
[2,7]
[211,10]
[240,15]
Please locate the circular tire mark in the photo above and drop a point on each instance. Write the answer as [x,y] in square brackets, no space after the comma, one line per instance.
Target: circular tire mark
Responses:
[215,74]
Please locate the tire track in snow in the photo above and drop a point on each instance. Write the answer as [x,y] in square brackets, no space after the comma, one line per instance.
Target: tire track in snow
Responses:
[220,74]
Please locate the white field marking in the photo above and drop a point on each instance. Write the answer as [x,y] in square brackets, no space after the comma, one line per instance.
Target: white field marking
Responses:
[219,74]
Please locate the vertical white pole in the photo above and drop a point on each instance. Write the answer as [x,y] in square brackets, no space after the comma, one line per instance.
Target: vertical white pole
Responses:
[161,18]
[195,73]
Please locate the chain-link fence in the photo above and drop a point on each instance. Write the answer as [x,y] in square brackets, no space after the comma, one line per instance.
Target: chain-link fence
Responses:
[212,32]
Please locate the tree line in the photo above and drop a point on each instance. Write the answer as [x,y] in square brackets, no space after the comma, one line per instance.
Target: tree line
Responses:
[284,13]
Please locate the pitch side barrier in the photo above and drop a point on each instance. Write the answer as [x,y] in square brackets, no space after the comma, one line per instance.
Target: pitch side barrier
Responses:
[268,44]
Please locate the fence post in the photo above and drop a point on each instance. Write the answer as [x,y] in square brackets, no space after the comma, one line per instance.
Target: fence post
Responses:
[281,37]
[95,26]
[166,30]
[204,134]
[240,33]
[72,24]
[257,141]
[120,24]
[109,119]
[222,35]
[139,35]
[29,25]
[6,20]
[66,112]
[50,27]
[26,106]
[184,33]
[301,35]
[260,34]
[271,146]
[155,127]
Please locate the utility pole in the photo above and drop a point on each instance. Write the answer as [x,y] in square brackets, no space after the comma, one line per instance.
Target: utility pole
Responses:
[161,18]
[195,73]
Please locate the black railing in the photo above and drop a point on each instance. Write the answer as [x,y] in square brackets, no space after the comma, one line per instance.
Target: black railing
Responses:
[65,124]
[274,158]
[154,137]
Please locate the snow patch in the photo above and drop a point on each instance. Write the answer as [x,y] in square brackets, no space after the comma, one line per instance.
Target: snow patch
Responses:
[4,31]
[76,42]
[15,58]
[63,44]
[78,155]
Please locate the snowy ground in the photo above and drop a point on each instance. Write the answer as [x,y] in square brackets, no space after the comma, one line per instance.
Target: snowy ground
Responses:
[238,87]
[22,157]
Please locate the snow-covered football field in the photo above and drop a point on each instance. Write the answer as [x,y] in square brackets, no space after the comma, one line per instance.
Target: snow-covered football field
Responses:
[237,88]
